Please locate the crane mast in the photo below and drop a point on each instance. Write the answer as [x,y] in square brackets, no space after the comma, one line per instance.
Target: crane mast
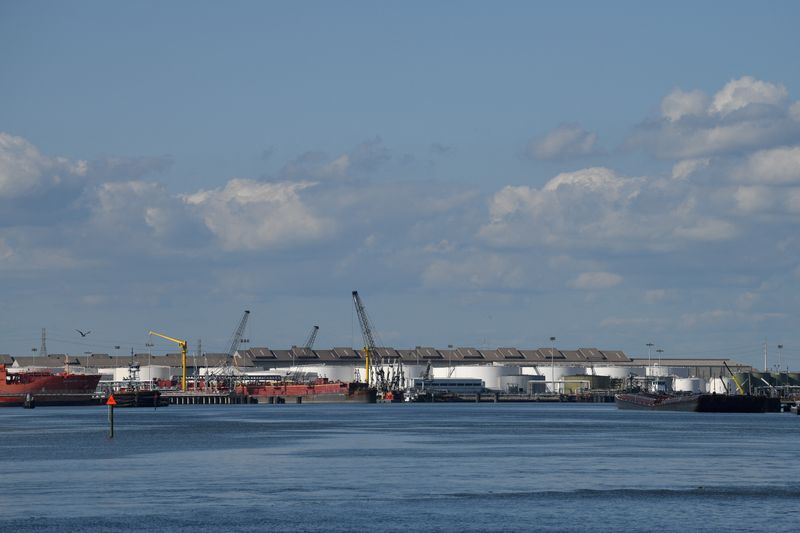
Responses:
[182,345]
[311,338]
[236,340]
[367,334]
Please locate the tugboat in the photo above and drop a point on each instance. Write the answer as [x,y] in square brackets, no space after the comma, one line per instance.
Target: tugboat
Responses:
[133,394]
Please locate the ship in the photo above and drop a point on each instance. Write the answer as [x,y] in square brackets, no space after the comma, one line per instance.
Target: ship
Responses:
[701,403]
[140,398]
[32,388]
[135,393]
[319,391]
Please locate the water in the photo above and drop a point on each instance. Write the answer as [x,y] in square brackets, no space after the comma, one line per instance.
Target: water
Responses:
[418,467]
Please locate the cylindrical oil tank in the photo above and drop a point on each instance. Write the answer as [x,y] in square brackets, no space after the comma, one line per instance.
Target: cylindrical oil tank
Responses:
[695,385]
[662,371]
[557,374]
[151,372]
[489,374]
[332,372]
[721,386]
[614,372]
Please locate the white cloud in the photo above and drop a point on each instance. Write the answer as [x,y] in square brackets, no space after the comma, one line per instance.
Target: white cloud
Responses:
[792,200]
[567,140]
[23,169]
[747,90]
[251,215]
[683,169]
[773,166]
[599,210]
[794,111]
[596,280]
[754,199]
[678,104]
[745,114]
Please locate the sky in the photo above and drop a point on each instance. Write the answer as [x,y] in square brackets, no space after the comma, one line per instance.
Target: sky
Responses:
[485,174]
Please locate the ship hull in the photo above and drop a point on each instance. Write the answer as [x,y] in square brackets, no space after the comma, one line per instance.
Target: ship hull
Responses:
[311,393]
[44,388]
[140,398]
[701,403]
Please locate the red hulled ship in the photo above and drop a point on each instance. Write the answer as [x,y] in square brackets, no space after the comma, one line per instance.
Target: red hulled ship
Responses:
[42,387]
[320,391]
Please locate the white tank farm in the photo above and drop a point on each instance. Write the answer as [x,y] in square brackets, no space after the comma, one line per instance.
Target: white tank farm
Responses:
[718,385]
[695,385]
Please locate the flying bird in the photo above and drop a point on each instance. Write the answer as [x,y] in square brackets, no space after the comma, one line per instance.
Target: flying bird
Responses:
[83,334]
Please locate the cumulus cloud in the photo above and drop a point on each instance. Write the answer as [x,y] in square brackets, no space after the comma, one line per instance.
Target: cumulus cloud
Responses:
[747,90]
[774,166]
[251,215]
[25,170]
[683,169]
[565,141]
[745,114]
[754,199]
[679,104]
[596,280]
[595,208]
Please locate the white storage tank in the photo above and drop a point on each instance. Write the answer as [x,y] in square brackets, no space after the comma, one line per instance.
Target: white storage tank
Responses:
[344,373]
[694,385]
[490,374]
[663,371]
[616,372]
[718,386]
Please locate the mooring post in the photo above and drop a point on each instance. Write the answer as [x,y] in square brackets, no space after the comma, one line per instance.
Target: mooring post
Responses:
[111,403]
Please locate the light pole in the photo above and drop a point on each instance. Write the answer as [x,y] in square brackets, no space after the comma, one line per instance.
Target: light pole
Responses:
[649,347]
[87,354]
[780,361]
[659,351]
[553,362]
[34,350]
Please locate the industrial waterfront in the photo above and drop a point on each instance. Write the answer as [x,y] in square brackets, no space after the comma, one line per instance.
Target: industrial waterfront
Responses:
[445,467]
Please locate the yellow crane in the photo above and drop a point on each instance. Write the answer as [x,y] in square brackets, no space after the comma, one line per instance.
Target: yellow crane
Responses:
[182,344]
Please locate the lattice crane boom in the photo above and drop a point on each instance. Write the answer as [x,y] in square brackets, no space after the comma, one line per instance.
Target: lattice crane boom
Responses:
[312,336]
[366,333]
[236,340]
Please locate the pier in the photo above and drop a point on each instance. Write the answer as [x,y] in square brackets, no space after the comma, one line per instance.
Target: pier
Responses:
[205,398]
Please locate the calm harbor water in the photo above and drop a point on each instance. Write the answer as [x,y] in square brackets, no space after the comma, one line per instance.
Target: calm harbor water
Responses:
[415,467]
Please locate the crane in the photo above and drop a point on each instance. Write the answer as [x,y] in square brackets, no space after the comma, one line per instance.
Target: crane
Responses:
[237,339]
[311,338]
[366,333]
[396,378]
[182,345]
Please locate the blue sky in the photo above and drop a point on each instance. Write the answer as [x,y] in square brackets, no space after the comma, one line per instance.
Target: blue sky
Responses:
[485,175]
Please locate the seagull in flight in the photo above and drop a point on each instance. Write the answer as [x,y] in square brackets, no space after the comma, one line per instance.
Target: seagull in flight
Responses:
[83,334]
